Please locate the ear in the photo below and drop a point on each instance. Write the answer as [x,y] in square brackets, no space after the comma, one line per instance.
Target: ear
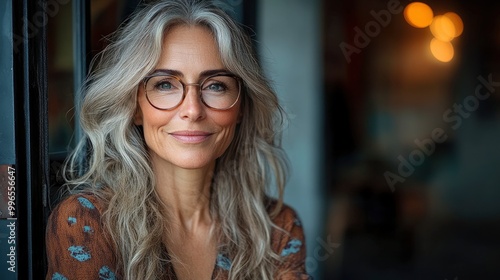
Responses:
[138,116]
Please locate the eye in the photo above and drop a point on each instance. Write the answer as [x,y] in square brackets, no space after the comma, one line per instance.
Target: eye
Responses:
[164,84]
[218,84]
[215,86]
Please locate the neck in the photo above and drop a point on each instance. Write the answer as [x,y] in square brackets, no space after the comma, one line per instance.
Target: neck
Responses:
[185,194]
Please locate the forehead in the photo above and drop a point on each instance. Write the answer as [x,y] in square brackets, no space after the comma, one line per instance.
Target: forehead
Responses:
[189,48]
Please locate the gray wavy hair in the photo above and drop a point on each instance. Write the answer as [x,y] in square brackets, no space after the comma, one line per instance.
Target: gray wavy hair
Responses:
[117,167]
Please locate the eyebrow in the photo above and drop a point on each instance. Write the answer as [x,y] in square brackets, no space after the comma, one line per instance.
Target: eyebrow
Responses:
[177,73]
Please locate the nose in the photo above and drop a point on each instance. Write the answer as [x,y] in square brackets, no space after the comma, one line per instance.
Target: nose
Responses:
[192,107]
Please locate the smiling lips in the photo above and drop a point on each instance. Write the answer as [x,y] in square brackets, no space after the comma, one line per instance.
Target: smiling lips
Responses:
[190,136]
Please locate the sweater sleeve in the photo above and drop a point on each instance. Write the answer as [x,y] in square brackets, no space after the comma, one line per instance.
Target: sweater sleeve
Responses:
[77,245]
[289,243]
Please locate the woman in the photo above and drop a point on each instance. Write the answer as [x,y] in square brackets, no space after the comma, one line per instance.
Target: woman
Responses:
[181,148]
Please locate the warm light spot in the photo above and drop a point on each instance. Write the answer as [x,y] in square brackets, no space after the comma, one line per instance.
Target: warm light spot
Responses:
[418,14]
[443,28]
[457,22]
[442,51]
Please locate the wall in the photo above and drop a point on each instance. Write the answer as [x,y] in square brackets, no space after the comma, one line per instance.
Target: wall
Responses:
[289,43]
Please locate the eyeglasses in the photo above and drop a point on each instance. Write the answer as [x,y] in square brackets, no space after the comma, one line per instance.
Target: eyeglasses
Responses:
[219,91]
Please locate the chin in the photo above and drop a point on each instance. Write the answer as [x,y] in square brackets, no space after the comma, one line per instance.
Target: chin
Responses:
[185,159]
[193,163]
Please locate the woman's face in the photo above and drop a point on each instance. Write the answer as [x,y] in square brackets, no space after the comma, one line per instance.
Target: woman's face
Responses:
[192,135]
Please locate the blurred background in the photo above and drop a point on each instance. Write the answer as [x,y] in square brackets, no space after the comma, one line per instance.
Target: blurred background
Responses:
[393,123]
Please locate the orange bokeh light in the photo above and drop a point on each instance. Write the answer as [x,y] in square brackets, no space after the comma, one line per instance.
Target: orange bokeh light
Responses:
[443,28]
[457,22]
[442,50]
[418,14]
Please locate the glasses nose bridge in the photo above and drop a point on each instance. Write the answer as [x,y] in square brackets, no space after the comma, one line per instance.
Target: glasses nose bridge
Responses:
[198,85]
[198,94]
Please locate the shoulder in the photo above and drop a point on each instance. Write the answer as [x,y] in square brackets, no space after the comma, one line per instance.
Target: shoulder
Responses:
[287,229]
[288,242]
[77,243]
[284,216]
[85,200]
[74,210]
[79,203]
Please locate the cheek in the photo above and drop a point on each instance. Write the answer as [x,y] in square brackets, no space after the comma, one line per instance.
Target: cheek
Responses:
[151,120]
[229,119]
[154,119]
[146,114]
[228,122]
[225,140]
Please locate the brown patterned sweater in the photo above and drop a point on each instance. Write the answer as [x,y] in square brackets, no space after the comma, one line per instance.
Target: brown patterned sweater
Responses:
[78,247]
